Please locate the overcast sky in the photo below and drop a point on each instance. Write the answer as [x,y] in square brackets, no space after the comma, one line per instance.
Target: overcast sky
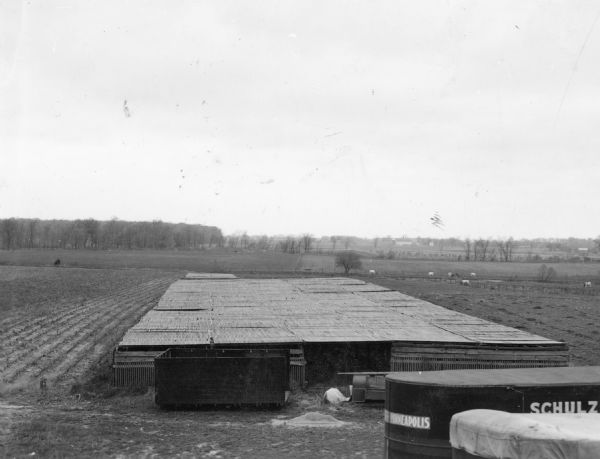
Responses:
[337,117]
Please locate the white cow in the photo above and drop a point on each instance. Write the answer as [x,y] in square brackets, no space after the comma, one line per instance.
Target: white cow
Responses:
[587,284]
[372,272]
[473,274]
[431,274]
[465,282]
[450,275]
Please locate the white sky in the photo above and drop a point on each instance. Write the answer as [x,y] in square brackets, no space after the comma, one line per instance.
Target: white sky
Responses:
[338,117]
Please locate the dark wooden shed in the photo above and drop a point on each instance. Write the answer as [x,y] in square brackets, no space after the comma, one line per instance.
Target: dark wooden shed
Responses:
[196,377]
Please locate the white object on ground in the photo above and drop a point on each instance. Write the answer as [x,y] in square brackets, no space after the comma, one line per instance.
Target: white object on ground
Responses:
[334,396]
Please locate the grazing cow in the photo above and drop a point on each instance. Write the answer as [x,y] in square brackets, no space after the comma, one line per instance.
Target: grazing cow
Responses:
[473,274]
[450,275]
[465,282]
[587,284]
[372,272]
[57,262]
[431,274]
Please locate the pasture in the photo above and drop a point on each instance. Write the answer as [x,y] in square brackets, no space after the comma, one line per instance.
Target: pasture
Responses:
[209,260]
[60,324]
[276,263]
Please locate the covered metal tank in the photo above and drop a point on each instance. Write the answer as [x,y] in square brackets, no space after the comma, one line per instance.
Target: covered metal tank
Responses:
[419,405]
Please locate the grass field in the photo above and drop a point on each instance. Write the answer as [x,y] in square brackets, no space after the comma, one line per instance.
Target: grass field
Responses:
[213,260]
[485,270]
[226,260]
[61,323]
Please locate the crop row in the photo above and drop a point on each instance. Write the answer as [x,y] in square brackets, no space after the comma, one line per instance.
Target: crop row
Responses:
[56,342]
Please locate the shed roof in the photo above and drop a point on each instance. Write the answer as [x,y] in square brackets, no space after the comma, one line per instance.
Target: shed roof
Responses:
[254,311]
[209,276]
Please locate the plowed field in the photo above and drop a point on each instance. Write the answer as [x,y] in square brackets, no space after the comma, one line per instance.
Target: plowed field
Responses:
[68,320]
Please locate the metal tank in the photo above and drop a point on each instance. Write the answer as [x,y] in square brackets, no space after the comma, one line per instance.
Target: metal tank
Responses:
[419,405]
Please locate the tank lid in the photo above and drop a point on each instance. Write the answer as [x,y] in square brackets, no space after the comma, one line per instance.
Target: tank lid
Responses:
[552,376]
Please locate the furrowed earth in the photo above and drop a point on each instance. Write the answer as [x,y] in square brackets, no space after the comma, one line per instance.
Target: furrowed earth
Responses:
[61,325]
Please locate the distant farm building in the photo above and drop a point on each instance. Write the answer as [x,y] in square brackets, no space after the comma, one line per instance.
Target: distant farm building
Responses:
[215,338]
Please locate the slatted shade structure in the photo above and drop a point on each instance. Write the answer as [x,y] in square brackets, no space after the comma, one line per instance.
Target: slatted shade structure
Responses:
[253,311]
[209,276]
[219,310]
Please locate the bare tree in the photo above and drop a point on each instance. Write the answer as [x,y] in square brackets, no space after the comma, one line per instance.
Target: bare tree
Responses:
[289,245]
[348,260]
[9,230]
[307,241]
[263,243]
[283,245]
[31,233]
[91,228]
[233,241]
[216,239]
[467,249]
[546,274]
[480,248]
[505,248]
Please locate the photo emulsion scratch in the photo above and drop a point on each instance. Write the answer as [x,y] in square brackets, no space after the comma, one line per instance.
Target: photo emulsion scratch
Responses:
[299,229]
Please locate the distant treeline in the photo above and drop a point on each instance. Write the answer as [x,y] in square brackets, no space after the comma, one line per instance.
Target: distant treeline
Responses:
[23,233]
[455,249]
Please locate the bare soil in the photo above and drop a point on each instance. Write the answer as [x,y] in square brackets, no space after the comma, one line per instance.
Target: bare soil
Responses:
[132,426]
[62,323]
[70,319]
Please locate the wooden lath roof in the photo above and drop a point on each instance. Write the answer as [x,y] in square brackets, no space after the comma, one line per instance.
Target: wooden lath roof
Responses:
[253,311]
[209,276]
